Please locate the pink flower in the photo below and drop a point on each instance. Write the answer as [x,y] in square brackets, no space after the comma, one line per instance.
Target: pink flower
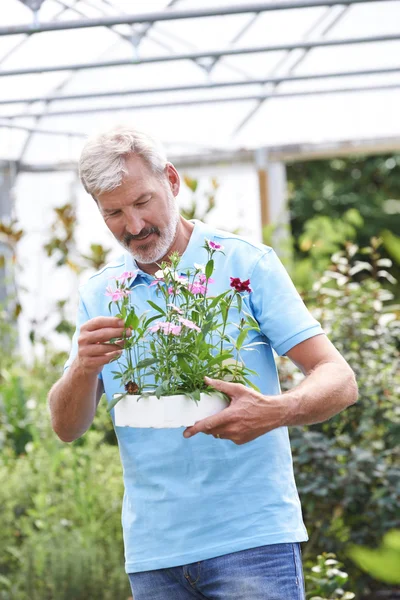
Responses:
[117,294]
[202,279]
[240,286]
[174,329]
[215,246]
[175,308]
[196,288]
[166,328]
[189,324]
[126,275]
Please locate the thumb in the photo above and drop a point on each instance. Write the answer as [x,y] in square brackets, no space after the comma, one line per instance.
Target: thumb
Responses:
[227,387]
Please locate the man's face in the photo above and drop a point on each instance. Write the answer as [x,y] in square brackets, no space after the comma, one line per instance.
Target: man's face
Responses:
[142,212]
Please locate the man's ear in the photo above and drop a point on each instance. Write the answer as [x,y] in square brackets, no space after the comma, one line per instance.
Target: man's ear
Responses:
[173,178]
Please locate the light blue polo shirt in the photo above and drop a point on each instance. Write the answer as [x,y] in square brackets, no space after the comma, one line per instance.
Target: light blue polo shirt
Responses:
[192,499]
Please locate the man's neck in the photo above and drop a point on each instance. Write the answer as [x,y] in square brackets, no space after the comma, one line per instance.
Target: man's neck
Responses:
[180,243]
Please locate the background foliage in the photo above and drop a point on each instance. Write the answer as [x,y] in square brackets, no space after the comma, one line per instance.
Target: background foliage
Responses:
[60,533]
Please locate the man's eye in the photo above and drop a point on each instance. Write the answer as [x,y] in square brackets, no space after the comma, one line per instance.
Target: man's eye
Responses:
[142,203]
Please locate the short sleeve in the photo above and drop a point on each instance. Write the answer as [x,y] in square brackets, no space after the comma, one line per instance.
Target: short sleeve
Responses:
[81,318]
[281,313]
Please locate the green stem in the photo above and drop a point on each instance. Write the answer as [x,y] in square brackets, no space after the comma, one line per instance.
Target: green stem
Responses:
[229,304]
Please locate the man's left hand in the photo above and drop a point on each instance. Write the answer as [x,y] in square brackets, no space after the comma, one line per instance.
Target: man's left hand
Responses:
[249,415]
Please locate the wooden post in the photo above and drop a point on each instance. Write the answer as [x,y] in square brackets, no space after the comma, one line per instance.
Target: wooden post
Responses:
[264,197]
[261,160]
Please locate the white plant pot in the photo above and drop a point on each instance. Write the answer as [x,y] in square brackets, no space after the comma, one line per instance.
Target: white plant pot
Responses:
[168,411]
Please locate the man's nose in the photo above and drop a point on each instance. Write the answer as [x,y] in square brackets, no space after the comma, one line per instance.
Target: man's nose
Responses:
[134,223]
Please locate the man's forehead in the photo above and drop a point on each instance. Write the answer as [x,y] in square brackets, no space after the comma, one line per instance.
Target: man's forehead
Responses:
[124,194]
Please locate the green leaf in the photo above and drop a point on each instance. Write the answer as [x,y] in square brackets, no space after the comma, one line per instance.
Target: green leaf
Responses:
[392,244]
[191,183]
[146,362]
[150,320]
[216,300]
[220,358]
[353,217]
[251,384]
[382,564]
[161,389]
[240,339]
[184,365]
[207,327]
[157,308]
[254,344]
[239,302]
[195,395]
[209,268]
[115,401]
[252,321]
[132,321]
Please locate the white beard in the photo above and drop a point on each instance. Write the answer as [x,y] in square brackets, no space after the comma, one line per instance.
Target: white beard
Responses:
[154,250]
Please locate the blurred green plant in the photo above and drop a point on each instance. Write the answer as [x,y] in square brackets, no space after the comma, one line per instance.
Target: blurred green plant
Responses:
[347,469]
[97,257]
[199,207]
[368,184]
[382,563]
[60,530]
[392,244]
[326,579]
[62,243]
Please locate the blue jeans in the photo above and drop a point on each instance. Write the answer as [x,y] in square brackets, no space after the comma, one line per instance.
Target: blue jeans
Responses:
[271,572]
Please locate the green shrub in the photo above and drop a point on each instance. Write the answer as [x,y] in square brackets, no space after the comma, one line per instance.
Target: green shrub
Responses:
[347,469]
[60,530]
[326,579]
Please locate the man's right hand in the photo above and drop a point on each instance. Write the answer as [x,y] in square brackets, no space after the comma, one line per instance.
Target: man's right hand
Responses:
[94,347]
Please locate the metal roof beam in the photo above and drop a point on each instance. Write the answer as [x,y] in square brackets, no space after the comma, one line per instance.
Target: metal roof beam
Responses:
[202,86]
[254,97]
[285,153]
[301,45]
[293,67]
[10,125]
[173,15]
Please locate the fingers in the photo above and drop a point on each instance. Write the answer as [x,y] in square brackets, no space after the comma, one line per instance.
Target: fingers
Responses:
[102,349]
[208,425]
[95,348]
[96,363]
[227,387]
[103,335]
[103,322]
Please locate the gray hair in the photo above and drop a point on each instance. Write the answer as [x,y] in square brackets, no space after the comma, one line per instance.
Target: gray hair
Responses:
[102,162]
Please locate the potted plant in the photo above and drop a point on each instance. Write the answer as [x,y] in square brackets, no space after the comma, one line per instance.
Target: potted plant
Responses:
[169,349]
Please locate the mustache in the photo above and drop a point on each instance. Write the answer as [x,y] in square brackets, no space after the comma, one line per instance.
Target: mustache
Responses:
[144,233]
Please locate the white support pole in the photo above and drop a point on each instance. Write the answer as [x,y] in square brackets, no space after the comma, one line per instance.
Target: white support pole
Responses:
[275,219]
[279,211]
[5,213]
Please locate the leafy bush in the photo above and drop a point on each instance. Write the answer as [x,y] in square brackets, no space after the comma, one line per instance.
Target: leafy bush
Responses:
[368,184]
[60,528]
[326,579]
[347,469]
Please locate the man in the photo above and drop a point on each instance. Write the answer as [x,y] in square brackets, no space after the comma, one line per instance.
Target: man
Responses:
[213,516]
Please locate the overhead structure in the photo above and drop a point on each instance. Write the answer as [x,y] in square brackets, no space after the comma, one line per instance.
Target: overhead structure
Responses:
[203,76]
